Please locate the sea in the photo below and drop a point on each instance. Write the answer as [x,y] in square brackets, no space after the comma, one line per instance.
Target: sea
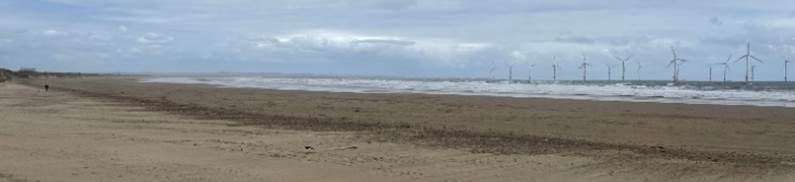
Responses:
[765,94]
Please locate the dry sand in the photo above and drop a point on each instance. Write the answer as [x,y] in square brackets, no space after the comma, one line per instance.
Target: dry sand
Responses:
[113,129]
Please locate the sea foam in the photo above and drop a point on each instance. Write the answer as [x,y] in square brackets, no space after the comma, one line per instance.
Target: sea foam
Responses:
[602,92]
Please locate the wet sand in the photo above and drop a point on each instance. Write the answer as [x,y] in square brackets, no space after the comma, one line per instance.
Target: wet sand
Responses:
[396,136]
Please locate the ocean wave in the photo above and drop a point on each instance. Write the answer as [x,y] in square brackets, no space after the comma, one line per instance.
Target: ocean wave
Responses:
[605,92]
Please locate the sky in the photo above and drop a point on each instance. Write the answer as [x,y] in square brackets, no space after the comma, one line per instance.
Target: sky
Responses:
[405,38]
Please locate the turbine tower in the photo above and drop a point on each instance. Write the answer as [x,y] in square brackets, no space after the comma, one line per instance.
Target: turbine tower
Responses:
[510,73]
[493,68]
[786,72]
[676,61]
[726,67]
[637,71]
[610,72]
[710,72]
[554,68]
[623,65]
[747,58]
[787,50]
[530,73]
[555,71]
[584,67]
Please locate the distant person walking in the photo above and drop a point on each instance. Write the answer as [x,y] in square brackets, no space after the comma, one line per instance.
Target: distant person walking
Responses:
[46,88]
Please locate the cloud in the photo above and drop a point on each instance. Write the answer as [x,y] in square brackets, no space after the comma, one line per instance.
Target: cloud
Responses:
[715,21]
[385,42]
[384,4]
[154,38]
[330,44]
[425,38]
[52,32]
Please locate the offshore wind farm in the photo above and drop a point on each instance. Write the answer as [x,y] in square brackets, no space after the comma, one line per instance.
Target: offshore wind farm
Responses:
[676,90]
[778,94]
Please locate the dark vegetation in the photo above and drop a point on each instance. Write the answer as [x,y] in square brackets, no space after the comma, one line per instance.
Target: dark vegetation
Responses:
[7,75]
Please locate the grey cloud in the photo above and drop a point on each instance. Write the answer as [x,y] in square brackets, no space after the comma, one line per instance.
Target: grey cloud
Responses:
[575,39]
[715,21]
[384,4]
[154,38]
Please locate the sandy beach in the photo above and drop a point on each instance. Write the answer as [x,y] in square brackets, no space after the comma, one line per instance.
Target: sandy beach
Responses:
[118,129]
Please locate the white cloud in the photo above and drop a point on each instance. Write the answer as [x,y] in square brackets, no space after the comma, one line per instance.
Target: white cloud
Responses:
[52,32]
[122,28]
[518,55]
[782,23]
[154,38]
[321,40]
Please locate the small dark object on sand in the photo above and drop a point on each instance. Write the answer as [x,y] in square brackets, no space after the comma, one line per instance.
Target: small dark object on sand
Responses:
[309,147]
[46,88]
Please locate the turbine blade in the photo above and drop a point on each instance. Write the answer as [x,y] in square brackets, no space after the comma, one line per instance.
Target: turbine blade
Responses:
[729,58]
[752,57]
[629,57]
[740,58]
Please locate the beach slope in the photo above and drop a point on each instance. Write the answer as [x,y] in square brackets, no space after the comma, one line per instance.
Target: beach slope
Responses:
[120,130]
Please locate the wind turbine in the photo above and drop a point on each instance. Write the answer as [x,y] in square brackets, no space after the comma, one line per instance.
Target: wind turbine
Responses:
[554,68]
[710,72]
[637,71]
[748,58]
[623,64]
[610,72]
[676,61]
[493,68]
[584,67]
[530,73]
[510,73]
[786,72]
[786,61]
[726,67]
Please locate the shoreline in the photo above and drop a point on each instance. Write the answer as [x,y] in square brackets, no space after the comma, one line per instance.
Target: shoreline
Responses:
[647,93]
